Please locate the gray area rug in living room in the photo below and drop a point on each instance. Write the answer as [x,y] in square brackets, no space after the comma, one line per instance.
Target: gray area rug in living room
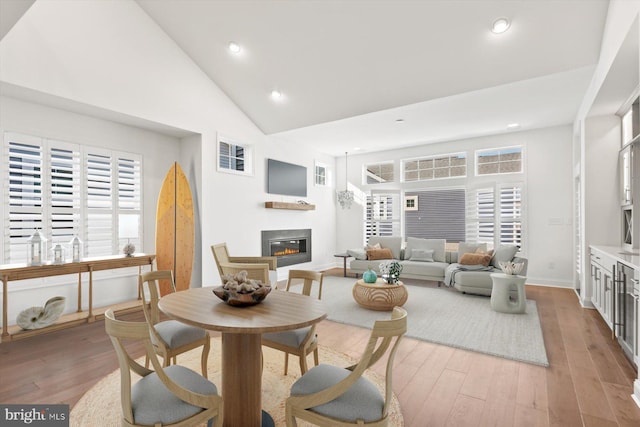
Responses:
[445,316]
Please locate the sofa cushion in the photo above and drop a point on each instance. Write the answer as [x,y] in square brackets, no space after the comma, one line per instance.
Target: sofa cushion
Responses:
[392,242]
[374,254]
[470,248]
[503,253]
[437,245]
[420,268]
[423,255]
[475,259]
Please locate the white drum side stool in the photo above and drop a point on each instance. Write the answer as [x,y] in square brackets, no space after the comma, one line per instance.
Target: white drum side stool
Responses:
[502,285]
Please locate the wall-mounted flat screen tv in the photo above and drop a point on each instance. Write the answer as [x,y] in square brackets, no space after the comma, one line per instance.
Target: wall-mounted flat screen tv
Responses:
[286,178]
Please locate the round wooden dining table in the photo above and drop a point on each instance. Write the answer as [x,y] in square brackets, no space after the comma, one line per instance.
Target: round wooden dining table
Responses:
[242,329]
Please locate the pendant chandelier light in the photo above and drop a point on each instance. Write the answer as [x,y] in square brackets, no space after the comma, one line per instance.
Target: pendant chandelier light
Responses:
[345,197]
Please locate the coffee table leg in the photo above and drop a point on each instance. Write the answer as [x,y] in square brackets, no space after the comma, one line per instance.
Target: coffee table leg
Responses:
[242,380]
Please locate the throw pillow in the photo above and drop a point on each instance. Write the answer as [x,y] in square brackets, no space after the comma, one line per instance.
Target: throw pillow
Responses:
[437,245]
[471,248]
[475,259]
[424,255]
[374,254]
[376,246]
[357,253]
[503,253]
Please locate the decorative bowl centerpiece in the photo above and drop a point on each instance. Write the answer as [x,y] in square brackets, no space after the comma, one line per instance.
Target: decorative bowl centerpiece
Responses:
[511,268]
[240,291]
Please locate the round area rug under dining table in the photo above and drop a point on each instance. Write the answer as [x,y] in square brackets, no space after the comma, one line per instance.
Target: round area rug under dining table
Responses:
[100,406]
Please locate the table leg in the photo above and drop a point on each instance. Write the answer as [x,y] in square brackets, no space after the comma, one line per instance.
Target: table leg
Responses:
[5,306]
[344,267]
[242,379]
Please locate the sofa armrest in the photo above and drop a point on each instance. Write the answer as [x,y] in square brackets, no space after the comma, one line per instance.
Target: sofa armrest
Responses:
[271,260]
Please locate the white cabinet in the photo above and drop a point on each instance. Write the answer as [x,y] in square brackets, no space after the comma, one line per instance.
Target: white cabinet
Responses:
[602,268]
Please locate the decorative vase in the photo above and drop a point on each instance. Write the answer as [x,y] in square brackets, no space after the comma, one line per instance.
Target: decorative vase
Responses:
[369,276]
[390,279]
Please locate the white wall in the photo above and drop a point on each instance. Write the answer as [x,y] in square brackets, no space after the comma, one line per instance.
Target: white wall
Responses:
[548,182]
[111,55]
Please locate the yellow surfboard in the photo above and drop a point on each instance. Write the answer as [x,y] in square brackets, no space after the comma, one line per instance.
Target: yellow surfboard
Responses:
[175,226]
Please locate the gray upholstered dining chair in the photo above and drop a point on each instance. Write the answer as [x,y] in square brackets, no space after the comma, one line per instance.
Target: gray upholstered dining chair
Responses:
[170,337]
[303,341]
[336,397]
[174,395]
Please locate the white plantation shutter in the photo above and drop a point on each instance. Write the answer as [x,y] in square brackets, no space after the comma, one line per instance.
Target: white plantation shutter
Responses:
[382,215]
[129,190]
[511,215]
[481,215]
[100,231]
[63,219]
[23,187]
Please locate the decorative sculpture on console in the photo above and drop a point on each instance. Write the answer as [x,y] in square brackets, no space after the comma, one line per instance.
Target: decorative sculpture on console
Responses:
[41,317]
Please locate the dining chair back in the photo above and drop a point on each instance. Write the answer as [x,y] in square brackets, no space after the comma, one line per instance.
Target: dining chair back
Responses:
[332,396]
[300,342]
[261,268]
[169,337]
[173,395]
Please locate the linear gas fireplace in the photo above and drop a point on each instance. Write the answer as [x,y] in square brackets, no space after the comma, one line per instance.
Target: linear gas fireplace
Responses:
[290,246]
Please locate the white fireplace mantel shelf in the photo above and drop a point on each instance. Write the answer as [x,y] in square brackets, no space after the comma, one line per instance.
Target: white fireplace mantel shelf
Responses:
[290,206]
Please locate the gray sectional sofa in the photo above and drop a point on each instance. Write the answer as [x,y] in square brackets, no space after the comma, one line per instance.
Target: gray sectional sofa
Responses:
[427,259]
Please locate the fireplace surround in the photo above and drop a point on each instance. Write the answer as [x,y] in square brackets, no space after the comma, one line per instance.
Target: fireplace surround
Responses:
[289,246]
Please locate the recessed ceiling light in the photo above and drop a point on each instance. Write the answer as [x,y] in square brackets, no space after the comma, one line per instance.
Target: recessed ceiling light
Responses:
[276,94]
[399,121]
[234,47]
[513,126]
[500,25]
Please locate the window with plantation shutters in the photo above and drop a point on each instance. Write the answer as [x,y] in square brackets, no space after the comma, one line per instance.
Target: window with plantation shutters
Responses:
[66,190]
[23,194]
[382,215]
[129,194]
[100,205]
[511,215]
[494,215]
[481,215]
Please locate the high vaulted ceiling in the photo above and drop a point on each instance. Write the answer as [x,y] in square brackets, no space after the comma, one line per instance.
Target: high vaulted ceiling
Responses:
[349,69]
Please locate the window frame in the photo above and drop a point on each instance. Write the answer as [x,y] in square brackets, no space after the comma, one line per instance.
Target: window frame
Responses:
[327,174]
[449,156]
[366,173]
[248,156]
[478,153]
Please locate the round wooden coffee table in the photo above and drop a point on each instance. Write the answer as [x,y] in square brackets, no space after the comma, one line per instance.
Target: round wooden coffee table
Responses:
[380,295]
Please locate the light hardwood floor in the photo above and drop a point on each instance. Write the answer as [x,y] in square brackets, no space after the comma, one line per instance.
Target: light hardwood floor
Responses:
[588,383]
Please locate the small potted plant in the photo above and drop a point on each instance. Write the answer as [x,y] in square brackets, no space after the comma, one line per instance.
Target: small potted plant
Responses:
[390,271]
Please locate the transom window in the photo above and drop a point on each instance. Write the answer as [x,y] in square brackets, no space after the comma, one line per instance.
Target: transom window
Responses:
[499,161]
[379,173]
[436,167]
